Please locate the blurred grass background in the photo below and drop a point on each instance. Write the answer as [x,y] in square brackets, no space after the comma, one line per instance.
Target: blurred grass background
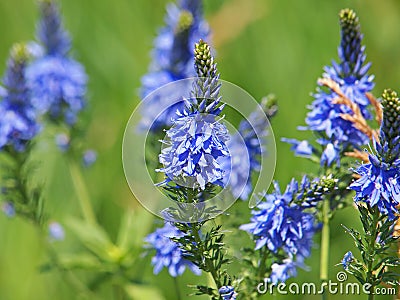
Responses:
[264,46]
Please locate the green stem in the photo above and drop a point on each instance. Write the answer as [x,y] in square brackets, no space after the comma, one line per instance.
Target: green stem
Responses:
[371,251]
[177,290]
[207,261]
[262,267]
[82,192]
[325,245]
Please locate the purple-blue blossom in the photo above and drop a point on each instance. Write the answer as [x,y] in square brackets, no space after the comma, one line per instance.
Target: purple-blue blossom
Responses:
[379,185]
[283,271]
[347,259]
[62,141]
[278,223]
[89,158]
[56,231]
[8,209]
[300,148]
[196,142]
[246,149]
[351,74]
[168,254]
[18,123]
[56,80]
[227,292]
[192,150]
[379,182]
[172,60]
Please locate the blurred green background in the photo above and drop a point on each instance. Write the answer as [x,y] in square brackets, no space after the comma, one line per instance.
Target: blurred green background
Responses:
[264,46]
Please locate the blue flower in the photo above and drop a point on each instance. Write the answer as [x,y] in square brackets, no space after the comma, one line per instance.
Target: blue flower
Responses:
[347,259]
[57,81]
[196,143]
[331,154]
[227,292]
[280,223]
[8,209]
[191,156]
[62,141]
[89,158]
[351,74]
[58,86]
[172,59]
[246,148]
[18,123]
[284,271]
[56,231]
[168,254]
[379,184]
[300,148]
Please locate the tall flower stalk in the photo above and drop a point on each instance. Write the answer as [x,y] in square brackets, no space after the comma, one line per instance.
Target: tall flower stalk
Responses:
[377,198]
[338,118]
[196,142]
[18,128]
[58,87]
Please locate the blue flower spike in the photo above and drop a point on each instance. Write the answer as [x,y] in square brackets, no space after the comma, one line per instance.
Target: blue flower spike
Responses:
[197,140]
[168,254]
[172,59]
[18,122]
[351,76]
[379,184]
[57,81]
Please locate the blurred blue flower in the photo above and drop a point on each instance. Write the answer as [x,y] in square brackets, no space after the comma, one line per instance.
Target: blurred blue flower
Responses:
[56,231]
[300,148]
[279,223]
[50,30]
[89,158]
[58,86]
[168,254]
[246,148]
[62,141]
[351,75]
[8,209]
[227,292]
[347,259]
[18,123]
[172,58]
[284,271]
[57,81]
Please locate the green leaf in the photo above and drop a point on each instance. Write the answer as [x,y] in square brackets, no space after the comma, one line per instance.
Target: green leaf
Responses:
[94,238]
